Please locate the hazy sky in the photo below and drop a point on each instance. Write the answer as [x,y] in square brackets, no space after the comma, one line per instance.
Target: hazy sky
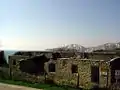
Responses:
[41,24]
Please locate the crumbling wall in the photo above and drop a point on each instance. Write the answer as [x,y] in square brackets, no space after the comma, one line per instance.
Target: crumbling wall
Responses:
[105,74]
[14,59]
[17,74]
[64,76]
[62,73]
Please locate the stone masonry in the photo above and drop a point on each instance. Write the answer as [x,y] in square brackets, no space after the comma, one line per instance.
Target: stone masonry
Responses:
[62,73]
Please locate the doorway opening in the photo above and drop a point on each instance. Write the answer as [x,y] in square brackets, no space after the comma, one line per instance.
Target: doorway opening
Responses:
[95,74]
[115,70]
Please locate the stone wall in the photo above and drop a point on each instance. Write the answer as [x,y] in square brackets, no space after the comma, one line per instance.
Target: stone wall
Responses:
[17,74]
[63,74]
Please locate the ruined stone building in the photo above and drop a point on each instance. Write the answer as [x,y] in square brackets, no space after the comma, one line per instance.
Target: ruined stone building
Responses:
[100,69]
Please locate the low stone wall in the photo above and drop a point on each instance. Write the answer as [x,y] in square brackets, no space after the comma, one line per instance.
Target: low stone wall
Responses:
[64,75]
[18,75]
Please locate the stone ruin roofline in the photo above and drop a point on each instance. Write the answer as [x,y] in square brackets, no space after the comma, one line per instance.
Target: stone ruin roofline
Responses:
[81,59]
[103,52]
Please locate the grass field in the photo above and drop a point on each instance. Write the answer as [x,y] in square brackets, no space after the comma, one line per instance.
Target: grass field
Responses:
[37,85]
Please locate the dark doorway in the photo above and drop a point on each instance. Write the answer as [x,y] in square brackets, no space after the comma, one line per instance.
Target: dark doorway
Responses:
[14,62]
[95,74]
[74,69]
[115,70]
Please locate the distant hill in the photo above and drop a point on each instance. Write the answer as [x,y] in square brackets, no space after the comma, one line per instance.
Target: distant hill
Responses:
[79,48]
[71,47]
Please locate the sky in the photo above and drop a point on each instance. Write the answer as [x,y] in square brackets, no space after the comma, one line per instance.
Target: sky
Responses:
[42,24]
